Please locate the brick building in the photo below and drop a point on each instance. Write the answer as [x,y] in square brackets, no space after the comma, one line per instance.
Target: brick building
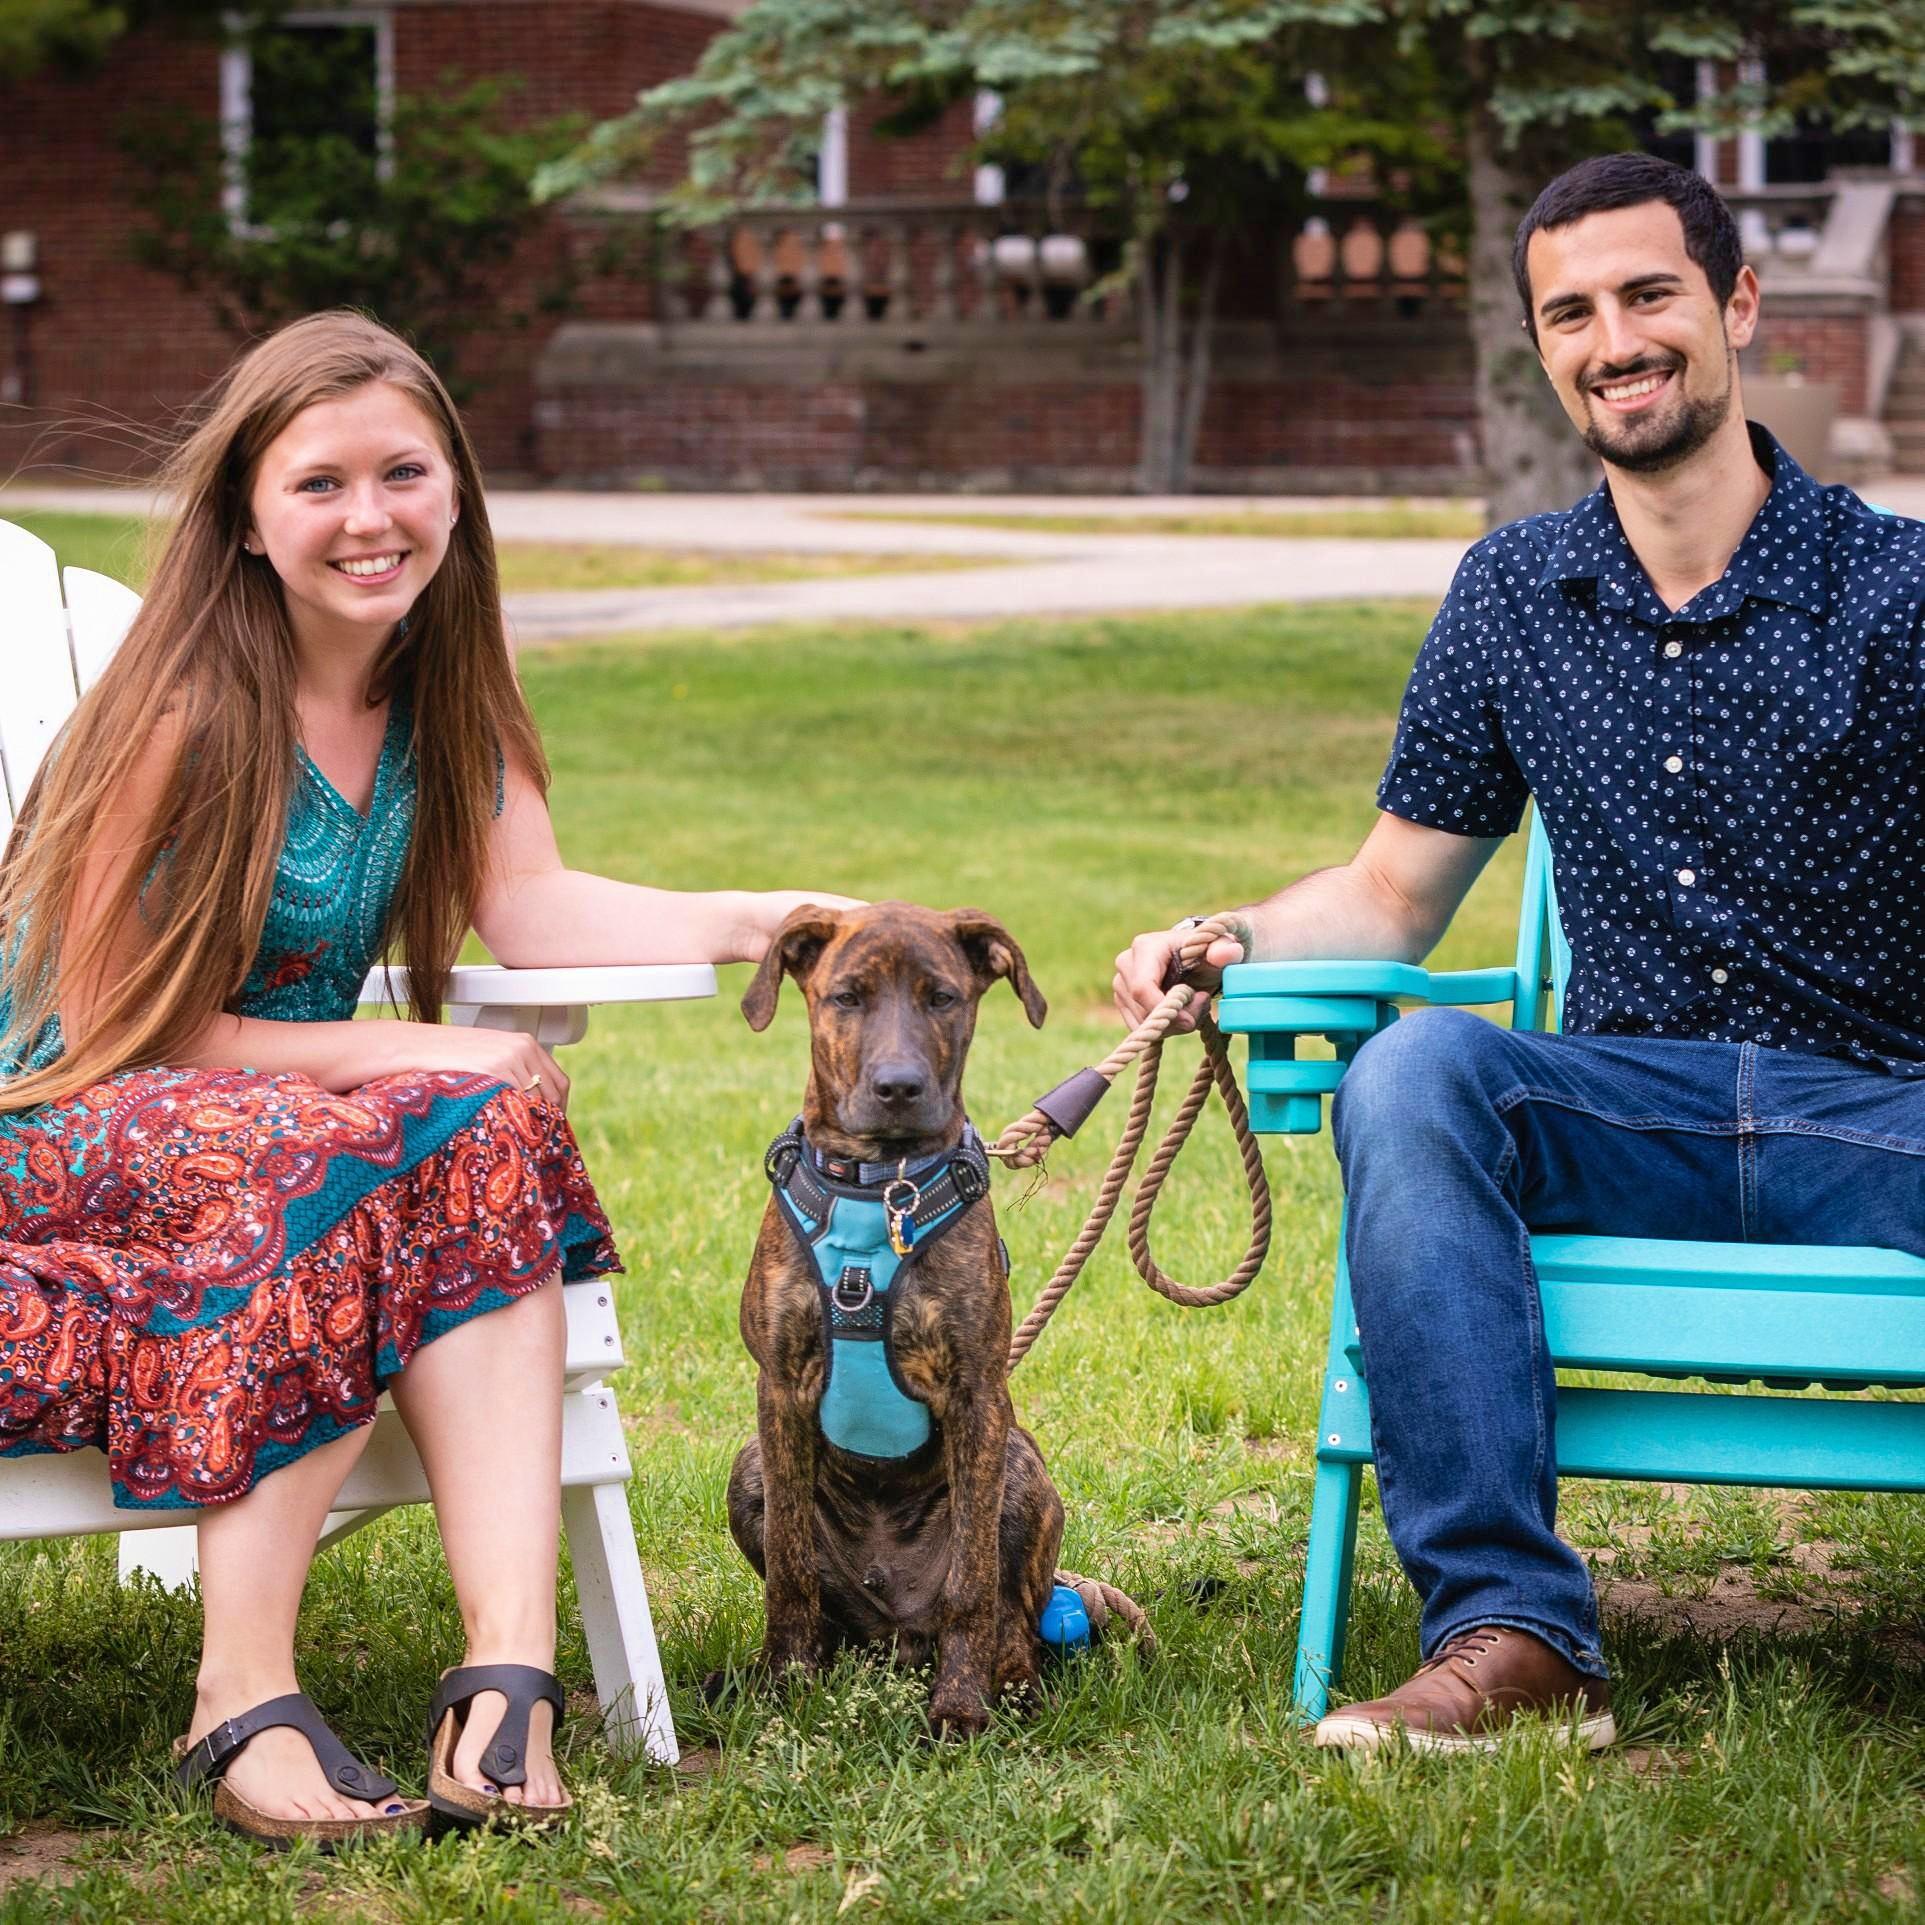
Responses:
[923,326]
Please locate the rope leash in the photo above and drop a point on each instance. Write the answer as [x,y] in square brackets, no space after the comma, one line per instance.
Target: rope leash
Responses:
[1027,1140]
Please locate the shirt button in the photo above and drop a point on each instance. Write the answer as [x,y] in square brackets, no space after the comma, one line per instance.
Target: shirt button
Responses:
[1686,877]
[1721,975]
[1674,649]
[1675,764]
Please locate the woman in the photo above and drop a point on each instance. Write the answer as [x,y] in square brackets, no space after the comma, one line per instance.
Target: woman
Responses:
[230,1216]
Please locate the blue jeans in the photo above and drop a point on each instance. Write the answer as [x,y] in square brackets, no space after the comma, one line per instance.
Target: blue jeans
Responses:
[1458,1139]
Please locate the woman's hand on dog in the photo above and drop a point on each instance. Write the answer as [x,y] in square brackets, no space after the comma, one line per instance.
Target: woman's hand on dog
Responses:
[769,909]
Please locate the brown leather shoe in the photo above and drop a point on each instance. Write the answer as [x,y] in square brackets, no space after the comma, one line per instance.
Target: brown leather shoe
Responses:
[1470,1694]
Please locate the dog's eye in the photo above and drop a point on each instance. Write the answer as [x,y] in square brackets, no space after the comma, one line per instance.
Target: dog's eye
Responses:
[847,999]
[943,999]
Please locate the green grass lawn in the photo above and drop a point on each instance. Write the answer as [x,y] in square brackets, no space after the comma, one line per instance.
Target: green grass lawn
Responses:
[1393,521]
[116,545]
[1082,780]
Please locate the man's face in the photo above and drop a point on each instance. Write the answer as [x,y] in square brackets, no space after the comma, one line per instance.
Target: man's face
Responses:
[1640,352]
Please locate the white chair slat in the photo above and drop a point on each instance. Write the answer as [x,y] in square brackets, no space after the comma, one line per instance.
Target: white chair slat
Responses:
[59,1495]
[36,663]
[100,611]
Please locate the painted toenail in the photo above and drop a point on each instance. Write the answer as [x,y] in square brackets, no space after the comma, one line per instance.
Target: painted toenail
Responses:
[392,1809]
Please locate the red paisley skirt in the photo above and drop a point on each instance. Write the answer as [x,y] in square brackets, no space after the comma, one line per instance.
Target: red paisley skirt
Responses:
[208,1273]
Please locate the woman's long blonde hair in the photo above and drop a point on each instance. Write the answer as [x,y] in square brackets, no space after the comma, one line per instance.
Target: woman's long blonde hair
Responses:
[212,643]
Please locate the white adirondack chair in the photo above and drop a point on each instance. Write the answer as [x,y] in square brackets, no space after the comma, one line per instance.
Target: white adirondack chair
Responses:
[50,652]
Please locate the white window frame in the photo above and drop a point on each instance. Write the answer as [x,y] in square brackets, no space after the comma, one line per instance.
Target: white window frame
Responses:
[237,99]
[832,160]
[990,187]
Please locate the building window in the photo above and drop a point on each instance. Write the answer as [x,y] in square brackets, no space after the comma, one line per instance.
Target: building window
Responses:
[291,83]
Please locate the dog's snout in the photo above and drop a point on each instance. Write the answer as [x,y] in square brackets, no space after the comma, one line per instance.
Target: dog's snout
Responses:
[899,1084]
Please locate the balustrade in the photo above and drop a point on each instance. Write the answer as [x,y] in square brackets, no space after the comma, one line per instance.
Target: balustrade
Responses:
[909,267]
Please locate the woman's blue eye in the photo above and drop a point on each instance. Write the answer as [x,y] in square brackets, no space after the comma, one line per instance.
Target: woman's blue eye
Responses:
[314,482]
[409,471]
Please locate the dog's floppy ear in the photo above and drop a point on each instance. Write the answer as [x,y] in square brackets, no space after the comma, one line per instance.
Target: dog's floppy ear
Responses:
[792,952]
[992,952]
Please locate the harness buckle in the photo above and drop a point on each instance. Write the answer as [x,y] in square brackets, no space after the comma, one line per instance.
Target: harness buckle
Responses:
[971,1179]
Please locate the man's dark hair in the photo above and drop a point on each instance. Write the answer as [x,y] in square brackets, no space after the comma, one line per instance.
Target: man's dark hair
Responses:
[1611,181]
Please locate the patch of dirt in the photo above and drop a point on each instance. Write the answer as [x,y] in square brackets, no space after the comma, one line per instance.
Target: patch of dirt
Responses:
[797,1859]
[700,1763]
[1274,1450]
[1651,1761]
[1896,1885]
[1730,1608]
[39,1850]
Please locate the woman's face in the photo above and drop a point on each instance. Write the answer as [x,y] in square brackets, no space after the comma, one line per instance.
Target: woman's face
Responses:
[351,505]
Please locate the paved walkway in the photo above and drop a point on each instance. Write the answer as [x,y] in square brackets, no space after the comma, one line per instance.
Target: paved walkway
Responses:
[1039,573]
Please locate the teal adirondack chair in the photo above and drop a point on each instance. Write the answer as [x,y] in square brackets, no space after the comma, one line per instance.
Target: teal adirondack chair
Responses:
[1782,1316]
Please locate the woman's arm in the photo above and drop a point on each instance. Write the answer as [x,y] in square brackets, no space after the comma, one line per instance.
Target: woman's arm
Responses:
[535,914]
[343,1056]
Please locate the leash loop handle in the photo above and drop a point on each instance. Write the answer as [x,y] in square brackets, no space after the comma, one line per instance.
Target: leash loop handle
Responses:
[1027,1140]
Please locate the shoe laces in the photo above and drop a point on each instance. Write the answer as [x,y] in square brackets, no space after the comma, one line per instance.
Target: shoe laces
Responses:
[1468,1646]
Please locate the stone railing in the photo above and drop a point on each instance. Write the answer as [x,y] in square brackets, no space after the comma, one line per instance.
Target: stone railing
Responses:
[1363,256]
[1782,228]
[893,267]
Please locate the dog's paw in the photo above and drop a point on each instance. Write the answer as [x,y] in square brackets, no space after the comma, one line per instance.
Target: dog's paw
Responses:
[790,1658]
[955,1715]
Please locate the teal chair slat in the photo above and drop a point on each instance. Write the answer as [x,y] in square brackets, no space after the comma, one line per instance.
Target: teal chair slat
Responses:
[1785,1316]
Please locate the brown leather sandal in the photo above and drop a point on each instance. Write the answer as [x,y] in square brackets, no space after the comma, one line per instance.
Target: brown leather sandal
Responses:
[206,1760]
[505,1760]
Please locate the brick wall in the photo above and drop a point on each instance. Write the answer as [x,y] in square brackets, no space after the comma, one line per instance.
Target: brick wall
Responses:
[111,342]
[115,351]
[1905,247]
[931,165]
[1830,348]
[1343,407]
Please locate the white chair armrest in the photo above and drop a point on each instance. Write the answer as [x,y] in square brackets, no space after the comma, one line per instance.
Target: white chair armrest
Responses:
[486,986]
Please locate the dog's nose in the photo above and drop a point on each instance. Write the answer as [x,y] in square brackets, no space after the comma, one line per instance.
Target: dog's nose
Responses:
[898,1084]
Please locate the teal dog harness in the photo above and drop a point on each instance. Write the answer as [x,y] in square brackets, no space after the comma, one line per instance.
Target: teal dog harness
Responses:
[862,1225]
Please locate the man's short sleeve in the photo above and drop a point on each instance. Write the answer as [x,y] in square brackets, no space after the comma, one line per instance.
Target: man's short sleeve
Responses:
[1450,767]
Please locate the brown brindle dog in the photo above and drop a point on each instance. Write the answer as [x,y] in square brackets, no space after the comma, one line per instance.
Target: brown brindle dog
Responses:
[952,1548]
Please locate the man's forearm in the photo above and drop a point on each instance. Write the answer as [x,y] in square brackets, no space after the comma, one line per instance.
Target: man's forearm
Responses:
[1340,913]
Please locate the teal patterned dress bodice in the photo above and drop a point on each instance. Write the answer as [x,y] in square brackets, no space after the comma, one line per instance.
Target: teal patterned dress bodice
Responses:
[337,874]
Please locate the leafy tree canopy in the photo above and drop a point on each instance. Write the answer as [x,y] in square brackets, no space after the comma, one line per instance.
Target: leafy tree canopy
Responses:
[67,34]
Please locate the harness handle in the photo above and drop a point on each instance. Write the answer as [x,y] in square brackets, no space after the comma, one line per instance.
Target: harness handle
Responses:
[1027,1140]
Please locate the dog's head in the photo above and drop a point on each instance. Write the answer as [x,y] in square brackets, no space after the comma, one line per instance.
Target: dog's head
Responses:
[892,992]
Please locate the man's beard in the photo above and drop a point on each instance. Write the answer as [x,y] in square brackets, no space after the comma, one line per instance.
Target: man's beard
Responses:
[1676,441]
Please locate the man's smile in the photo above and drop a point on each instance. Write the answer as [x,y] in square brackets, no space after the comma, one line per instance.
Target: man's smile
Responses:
[1629,394]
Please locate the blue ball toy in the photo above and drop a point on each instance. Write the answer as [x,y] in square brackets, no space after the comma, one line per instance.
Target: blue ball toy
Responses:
[1064,1623]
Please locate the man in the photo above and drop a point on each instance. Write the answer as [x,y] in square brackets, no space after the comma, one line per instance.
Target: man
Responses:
[1709,675]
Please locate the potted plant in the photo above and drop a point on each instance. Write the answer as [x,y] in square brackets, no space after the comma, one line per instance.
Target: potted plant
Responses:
[1797,411]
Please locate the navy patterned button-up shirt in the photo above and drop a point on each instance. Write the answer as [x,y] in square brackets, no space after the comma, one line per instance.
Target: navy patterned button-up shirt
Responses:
[1732,791]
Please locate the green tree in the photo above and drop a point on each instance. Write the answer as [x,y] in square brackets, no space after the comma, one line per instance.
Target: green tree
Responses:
[1185,122]
[37,34]
[1189,119]
[407,217]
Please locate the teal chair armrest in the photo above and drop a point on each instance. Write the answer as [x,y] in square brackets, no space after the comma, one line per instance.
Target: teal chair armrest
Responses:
[1346,1003]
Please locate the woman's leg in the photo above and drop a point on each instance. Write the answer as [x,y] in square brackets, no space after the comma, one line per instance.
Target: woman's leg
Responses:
[483,1404]
[254,1558]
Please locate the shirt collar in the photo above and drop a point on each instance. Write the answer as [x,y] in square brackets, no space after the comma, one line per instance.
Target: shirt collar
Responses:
[1781,559]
